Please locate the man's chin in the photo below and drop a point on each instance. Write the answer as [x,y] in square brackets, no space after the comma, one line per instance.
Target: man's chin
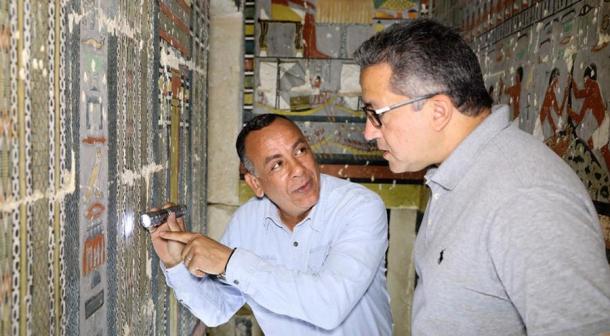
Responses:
[397,168]
[308,202]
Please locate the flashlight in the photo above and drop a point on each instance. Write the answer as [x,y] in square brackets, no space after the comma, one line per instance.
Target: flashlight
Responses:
[153,219]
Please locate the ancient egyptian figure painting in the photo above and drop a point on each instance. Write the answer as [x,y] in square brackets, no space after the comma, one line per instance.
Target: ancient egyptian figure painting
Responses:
[550,61]
[298,63]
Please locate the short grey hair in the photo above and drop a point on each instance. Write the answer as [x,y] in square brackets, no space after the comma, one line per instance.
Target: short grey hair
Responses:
[427,57]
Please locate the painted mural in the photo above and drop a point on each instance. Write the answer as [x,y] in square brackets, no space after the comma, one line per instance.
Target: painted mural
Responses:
[550,61]
[8,139]
[96,124]
[298,63]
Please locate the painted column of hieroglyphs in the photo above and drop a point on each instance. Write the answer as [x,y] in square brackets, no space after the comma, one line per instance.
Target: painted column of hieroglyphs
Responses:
[97,124]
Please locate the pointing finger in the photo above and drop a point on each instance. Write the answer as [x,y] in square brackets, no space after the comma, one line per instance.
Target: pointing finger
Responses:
[183,237]
[167,205]
[172,223]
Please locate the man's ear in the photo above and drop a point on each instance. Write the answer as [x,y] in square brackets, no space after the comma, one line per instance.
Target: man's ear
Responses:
[442,111]
[254,184]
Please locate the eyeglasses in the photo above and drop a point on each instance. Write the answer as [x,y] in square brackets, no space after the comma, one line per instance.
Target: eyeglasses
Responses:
[374,115]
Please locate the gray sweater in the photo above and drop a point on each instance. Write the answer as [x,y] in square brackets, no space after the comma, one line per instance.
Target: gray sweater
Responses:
[510,243]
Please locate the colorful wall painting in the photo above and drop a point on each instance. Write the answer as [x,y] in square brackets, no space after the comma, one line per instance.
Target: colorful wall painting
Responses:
[97,124]
[298,63]
[550,61]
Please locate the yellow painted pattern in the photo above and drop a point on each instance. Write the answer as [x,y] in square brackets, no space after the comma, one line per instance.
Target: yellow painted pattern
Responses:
[23,274]
[345,11]
[173,187]
[248,98]
[330,140]
[312,111]
[398,5]
[284,13]
[174,149]
[249,30]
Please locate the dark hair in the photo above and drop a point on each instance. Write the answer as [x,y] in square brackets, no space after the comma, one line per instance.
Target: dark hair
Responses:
[591,71]
[257,123]
[520,73]
[428,57]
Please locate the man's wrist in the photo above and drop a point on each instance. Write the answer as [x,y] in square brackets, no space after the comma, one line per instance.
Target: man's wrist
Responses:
[171,264]
[222,275]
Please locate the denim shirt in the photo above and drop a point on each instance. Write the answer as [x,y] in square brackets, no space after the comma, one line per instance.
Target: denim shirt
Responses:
[325,277]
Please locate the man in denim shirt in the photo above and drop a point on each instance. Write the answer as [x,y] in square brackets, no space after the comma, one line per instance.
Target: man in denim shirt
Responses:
[307,253]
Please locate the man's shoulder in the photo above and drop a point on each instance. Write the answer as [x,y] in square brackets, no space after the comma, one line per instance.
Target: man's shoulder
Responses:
[532,161]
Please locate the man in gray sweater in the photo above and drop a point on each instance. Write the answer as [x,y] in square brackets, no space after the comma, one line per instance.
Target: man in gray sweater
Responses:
[510,243]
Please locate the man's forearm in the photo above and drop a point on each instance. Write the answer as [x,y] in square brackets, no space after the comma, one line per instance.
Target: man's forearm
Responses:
[212,301]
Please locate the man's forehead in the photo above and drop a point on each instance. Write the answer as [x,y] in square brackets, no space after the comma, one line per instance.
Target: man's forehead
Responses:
[279,127]
[375,74]
[280,132]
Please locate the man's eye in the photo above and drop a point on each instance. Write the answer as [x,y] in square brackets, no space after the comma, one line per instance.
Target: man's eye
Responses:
[301,150]
[276,165]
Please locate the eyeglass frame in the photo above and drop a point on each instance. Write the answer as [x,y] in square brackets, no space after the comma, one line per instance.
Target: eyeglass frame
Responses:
[374,115]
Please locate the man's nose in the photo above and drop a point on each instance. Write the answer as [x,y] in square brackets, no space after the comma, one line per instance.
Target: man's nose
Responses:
[296,168]
[370,132]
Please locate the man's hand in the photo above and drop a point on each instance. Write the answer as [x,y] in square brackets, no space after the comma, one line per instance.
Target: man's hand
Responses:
[201,254]
[169,251]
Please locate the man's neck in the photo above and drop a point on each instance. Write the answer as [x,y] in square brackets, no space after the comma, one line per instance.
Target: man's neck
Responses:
[460,128]
[292,221]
